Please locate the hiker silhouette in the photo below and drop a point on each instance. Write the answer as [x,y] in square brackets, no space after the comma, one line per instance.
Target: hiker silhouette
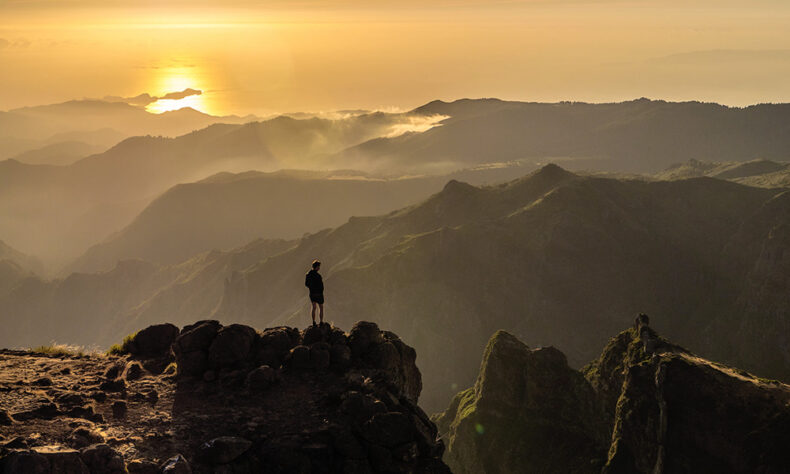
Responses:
[315,284]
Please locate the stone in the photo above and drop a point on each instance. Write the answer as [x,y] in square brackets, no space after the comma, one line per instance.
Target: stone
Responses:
[15,443]
[347,445]
[314,334]
[232,346]
[117,385]
[209,376]
[5,418]
[69,399]
[142,466]
[133,371]
[153,341]
[112,372]
[119,409]
[340,356]
[274,343]
[62,460]
[389,429]
[320,356]
[83,436]
[298,358]
[261,378]
[363,336]
[42,382]
[176,465]
[224,449]
[98,396]
[192,363]
[196,337]
[102,459]
[25,462]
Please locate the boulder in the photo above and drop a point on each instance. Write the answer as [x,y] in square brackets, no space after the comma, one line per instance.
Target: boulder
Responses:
[363,335]
[223,450]
[117,385]
[176,465]
[261,378]
[153,341]
[133,371]
[196,337]
[340,356]
[25,462]
[273,345]
[142,466]
[315,334]
[83,436]
[232,346]
[389,429]
[319,355]
[5,418]
[113,371]
[62,460]
[102,459]
[119,409]
[192,363]
[298,358]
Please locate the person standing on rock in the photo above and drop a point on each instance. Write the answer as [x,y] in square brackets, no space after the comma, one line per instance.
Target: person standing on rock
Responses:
[315,284]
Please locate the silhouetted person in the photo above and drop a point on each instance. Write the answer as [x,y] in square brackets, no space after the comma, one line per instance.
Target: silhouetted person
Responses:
[315,284]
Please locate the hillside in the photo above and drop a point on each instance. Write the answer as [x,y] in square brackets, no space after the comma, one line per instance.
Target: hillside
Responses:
[763,173]
[226,211]
[644,406]
[555,258]
[57,212]
[638,136]
[25,262]
[235,400]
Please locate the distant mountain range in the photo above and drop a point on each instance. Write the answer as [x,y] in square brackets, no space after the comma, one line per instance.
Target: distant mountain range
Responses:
[554,257]
[94,123]
[59,211]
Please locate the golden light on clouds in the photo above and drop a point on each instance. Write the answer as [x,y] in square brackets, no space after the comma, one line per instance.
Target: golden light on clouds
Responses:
[247,59]
[177,79]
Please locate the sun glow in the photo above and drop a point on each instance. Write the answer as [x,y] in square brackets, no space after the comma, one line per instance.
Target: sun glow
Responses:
[174,80]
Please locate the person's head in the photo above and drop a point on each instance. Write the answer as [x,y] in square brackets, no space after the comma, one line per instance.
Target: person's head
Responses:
[316,264]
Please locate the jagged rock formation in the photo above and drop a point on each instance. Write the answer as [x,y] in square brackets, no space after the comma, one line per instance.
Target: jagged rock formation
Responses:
[644,406]
[238,400]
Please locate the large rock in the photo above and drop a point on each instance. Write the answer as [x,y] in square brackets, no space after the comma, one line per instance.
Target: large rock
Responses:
[191,347]
[231,347]
[102,459]
[176,465]
[363,336]
[153,341]
[224,449]
[62,460]
[645,406]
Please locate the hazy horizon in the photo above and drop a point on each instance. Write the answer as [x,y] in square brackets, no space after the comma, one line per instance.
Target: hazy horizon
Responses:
[285,57]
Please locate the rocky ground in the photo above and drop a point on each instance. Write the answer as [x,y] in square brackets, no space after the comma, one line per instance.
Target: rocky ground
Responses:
[209,398]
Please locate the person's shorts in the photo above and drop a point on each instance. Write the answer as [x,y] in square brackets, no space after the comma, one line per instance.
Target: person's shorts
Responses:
[317,298]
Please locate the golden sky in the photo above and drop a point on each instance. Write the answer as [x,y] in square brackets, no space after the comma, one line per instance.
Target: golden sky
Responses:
[281,56]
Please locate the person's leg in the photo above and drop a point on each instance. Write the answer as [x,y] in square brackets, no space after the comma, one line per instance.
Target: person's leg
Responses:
[321,306]
[312,313]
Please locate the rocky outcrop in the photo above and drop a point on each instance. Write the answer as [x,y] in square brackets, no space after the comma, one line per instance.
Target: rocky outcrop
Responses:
[644,406]
[527,412]
[279,400]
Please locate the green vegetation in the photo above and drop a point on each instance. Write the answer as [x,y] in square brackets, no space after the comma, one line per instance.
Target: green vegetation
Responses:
[59,350]
[123,348]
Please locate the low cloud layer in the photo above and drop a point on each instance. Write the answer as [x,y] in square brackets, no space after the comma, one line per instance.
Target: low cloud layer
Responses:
[146,99]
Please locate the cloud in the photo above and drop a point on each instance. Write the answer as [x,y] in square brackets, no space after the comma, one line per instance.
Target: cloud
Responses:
[146,98]
[180,95]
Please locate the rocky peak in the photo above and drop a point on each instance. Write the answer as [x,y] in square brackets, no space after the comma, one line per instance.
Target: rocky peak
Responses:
[644,406]
[236,400]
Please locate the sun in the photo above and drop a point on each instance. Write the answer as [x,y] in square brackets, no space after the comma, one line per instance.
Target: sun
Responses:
[176,80]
